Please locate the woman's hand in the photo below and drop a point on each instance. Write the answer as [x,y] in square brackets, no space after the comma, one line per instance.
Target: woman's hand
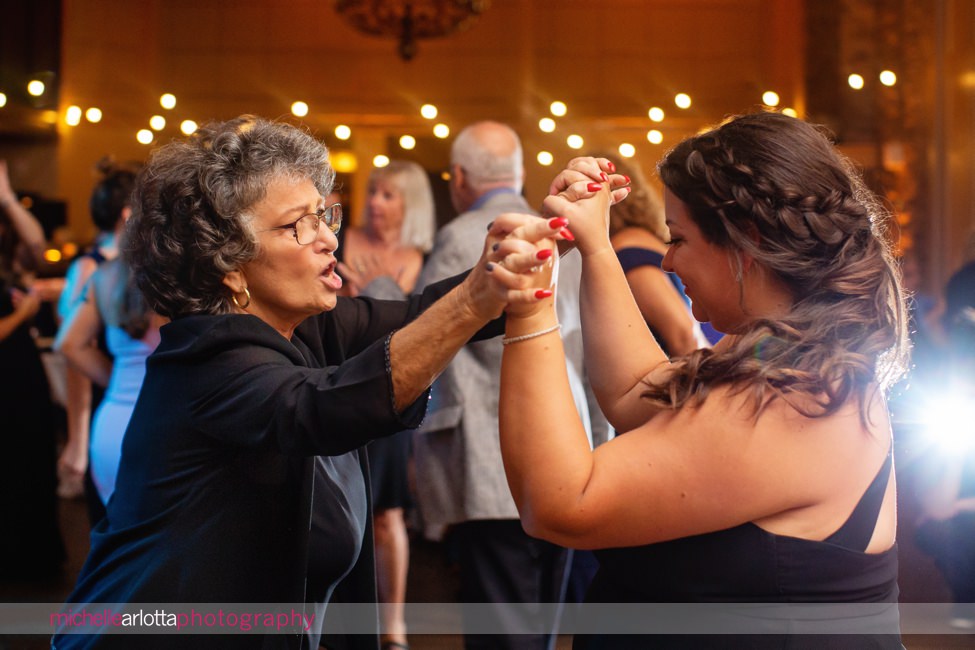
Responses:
[515,244]
[583,180]
[591,170]
[367,268]
[26,303]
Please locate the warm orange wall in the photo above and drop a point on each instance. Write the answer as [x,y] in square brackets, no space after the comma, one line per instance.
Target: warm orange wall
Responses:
[609,61]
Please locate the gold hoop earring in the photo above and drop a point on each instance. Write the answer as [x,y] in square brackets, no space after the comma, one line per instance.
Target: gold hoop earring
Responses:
[247,294]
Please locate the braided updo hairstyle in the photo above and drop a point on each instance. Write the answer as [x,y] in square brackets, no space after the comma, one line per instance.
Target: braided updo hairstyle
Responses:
[190,224]
[775,188]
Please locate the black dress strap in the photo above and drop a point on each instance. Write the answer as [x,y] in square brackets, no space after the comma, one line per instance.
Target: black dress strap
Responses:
[856,532]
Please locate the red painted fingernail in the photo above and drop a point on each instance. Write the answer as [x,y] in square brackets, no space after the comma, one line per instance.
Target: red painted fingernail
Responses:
[558,222]
[594,187]
[567,234]
[603,176]
[543,293]
[611,166]
[627,179]
[543,254]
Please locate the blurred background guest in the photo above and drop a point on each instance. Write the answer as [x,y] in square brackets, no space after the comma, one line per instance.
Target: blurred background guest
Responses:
[397,230]
[115,306]
[109,206]
[31,545]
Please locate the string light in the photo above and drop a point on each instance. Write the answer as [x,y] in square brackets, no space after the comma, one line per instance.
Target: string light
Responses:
[546,124]
[299,109]
[656,114]
[441,130]
[380,161]
[168,101]
[188,127]
[654,136]
[36,87]
[855,81]
[770,98]
[682,100]
[888,78]
[144,136]
[575,141]
[627,150]
[3,100]
[558,109]
[343,162]
[429,111]
[93,115]
[157,122]
[343,132]
[545,158]
[72,116]
[407,141]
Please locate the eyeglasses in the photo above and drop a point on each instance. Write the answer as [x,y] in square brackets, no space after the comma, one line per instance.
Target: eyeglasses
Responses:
[305,228]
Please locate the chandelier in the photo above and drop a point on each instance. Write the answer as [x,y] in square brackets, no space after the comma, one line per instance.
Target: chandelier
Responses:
[410,20]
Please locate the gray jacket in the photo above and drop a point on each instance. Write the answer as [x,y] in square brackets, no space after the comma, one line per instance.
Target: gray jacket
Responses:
[459,474]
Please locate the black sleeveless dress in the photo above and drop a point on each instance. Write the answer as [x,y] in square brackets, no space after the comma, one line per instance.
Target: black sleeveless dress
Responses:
[747,564]
[31,546]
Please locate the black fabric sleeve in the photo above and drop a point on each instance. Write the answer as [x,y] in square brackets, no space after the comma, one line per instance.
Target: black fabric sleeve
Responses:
[356,323]
[254,396]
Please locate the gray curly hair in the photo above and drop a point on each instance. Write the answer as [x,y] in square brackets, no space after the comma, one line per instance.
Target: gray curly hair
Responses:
[189,224]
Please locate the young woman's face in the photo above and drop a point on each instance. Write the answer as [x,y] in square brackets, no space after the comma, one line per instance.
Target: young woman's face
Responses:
[385,205]
[707,271]
[287,281]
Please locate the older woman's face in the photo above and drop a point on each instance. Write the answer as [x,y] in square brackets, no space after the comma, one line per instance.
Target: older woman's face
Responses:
[289,282]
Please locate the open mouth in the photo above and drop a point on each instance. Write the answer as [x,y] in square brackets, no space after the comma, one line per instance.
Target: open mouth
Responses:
[331,278]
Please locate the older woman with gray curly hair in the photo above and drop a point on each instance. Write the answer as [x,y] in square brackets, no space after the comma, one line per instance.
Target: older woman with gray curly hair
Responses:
[242,477]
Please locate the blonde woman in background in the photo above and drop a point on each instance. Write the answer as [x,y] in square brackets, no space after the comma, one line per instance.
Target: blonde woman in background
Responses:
[395,233]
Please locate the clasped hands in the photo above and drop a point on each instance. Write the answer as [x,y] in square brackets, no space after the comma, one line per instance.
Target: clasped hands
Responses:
[521,251]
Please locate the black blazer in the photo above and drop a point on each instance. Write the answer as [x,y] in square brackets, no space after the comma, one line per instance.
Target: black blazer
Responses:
[213,501]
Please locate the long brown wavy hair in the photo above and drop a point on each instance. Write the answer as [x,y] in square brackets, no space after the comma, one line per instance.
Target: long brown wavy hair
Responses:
[819,231]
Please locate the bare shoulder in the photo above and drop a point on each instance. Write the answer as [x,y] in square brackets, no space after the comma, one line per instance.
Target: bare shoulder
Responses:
[779,449]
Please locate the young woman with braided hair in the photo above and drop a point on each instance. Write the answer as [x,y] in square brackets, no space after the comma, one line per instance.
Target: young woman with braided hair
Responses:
[757,471]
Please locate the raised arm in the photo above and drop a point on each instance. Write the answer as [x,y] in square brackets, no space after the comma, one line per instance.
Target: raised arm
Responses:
[27,226]
[420,351]
[702,468]
[620,350]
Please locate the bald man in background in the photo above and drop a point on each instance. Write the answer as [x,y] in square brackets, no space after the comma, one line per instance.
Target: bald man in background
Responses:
[461,485]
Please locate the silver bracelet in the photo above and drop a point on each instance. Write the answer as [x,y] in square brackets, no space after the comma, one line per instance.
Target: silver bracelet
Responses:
[525,337]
